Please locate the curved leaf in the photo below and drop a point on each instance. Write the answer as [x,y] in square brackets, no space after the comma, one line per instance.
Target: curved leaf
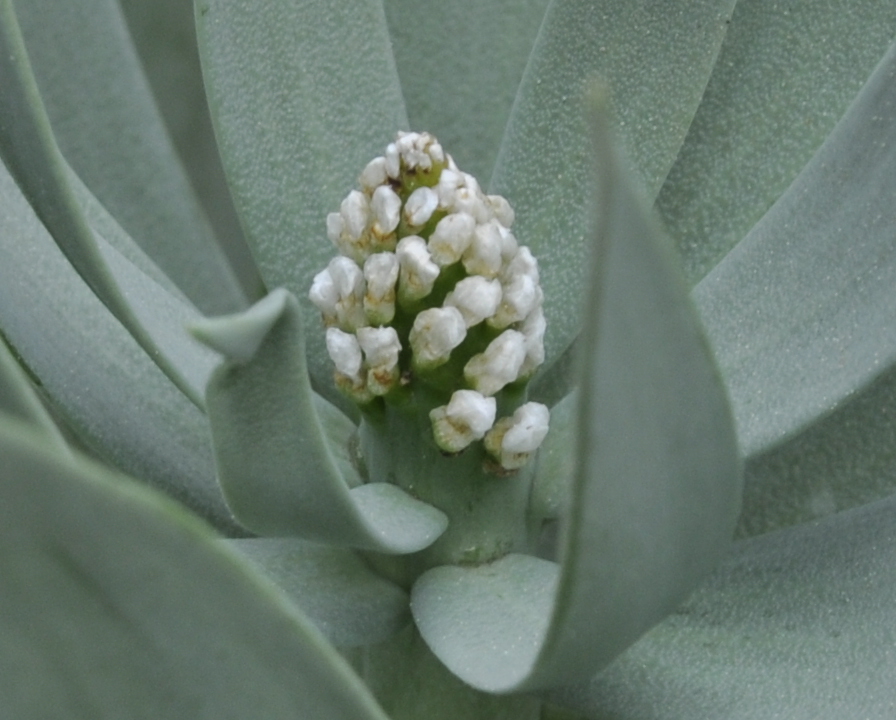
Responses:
[657,486]
[796,624]
[274,461]
[802,314]
[302,96]
[108,127]
[31,156]
[349,604]
[116,603]
[164,35]
[18,400]
[657,58]
[460,65]
[785,75]
[99,379]
[467,615]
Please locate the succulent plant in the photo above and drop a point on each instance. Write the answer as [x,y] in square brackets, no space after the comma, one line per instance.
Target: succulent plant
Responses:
[685,258]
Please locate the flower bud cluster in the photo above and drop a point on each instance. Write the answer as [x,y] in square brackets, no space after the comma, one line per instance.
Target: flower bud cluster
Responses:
[430,286]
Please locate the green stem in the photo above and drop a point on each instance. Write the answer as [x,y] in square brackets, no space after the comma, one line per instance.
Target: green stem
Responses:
[487,512]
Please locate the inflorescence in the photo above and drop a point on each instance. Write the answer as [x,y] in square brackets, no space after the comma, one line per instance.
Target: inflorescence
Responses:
[431,287]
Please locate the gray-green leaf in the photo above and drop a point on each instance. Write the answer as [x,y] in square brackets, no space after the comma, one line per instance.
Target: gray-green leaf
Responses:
[117,603]
[302,95]
[657,487]
[802,316]
[274,460]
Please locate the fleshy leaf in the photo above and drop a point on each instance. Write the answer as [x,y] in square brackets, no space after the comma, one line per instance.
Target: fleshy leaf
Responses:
[556,460]
[802,313]
[796,624]
[460,65]
[275,464]
[164,34]
[467,615]
[117,603]
[784,77]
[108,127]
[657,486]
[302,96]
[18,400]
[349,604]
[657,57]
[32,157]
[102,383]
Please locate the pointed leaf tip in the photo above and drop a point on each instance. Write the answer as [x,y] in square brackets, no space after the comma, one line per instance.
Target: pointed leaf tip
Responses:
[278,458]
[239,336]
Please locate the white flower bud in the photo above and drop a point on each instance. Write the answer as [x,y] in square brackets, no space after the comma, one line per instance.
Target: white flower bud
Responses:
[374,174]
[509,245]
[451,238]
[522,293]
[355,211]
[518,300]
[513,440]
[459,192]
[386,209]
[483,256]
[533,329]
[418,271]
[420,206]
[392,165]
[436,332]
[380,274]
[324,295]
[466,417]
[381,347]
[335,228]
[446,189]
[499,365]
[412,147]
[348,279]
[476,297]
[501,209]
[344,351]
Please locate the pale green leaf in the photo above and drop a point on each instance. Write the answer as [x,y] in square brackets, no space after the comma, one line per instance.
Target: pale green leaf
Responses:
[657,58]
[802,316]
[796,624]
[303,96]
[556,461]
[32,157]
[108,127]
[102,383]
[347,602]
[460,65]
[18,400]
[164,35]
[274,460]
[785,75]
[657,485]
[117,603]
[468,615]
